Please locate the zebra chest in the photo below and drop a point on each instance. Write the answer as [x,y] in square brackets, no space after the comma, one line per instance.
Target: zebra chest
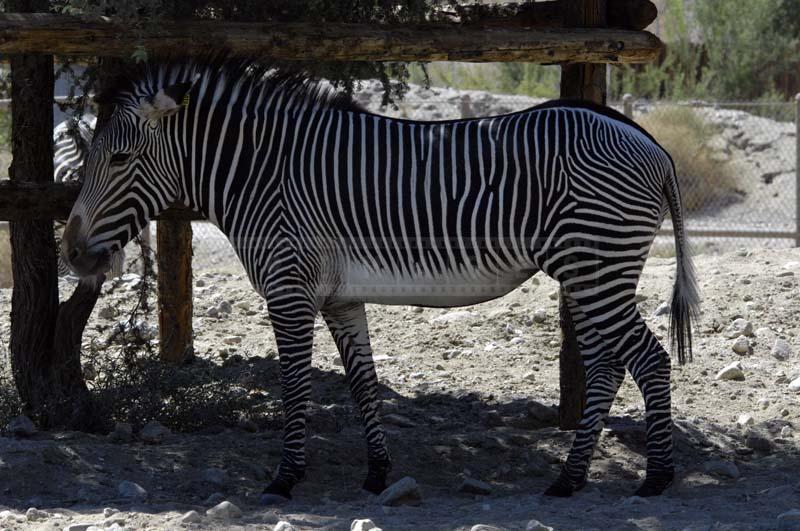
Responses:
[419,287]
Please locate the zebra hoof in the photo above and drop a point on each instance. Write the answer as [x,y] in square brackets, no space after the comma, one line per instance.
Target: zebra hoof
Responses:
[374,485]
[272,500]
[563,487]
[655,484]
[277,493]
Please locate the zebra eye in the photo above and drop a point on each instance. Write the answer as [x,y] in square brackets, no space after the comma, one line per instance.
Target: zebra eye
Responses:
[120,158]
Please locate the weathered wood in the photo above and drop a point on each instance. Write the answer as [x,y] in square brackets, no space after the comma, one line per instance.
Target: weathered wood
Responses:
[45,336]
[330,42]
[174,245]
[588,82]
[623,14]
[26,201]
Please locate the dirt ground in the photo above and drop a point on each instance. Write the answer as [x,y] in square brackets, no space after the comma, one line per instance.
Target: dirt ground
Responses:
[457,391]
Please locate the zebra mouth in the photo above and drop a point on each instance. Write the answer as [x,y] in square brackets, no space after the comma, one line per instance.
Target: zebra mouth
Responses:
[87,263]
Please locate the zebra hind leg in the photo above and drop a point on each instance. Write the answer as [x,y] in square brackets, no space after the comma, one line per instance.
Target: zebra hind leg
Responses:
[650,368]
[293,324]
[348,326]
[604,374]
[621,326]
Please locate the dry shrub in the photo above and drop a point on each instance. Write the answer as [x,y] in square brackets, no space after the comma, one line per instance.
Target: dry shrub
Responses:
[705,183]
[130,384]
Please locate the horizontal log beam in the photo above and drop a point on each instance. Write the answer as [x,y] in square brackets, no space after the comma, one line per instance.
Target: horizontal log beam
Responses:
[60,35]
[624,14]
[34,201]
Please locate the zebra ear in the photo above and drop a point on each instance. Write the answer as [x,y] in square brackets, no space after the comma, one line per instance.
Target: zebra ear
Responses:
[166,102]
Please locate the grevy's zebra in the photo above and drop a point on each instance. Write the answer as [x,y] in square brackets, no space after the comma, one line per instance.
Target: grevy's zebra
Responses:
[330,207]
[71,141]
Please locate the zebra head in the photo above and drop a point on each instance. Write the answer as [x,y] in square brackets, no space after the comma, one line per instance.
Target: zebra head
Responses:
[132,174]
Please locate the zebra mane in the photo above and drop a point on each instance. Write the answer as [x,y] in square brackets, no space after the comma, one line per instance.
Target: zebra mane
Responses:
[146,78]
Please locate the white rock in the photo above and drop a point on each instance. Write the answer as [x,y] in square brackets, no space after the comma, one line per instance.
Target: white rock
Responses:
[225,510]
[539,315]
[108,511]
[781,349]
[739,327]
[536,525]
[554,295]
[794,385]
[33,514]
[403,492]
[723,468]
[454,317]
[731,372]
[78,527]
[153,432]
[498,312]
[484,527]
[21,426]
[224,307]
[663,309]
[529,376]
[745,419]
[517,341]
[786,432]
[741,345]
[789,521]
[232,340]
[129,489]
[364,525]
[283,525]
[192,517]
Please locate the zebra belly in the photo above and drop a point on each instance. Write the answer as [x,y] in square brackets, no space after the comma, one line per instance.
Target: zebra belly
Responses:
[446,289]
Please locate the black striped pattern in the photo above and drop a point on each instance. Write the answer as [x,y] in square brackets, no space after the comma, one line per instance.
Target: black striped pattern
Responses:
[330,207]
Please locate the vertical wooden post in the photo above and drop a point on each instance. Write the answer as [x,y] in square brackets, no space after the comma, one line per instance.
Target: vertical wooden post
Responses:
[174,257]
[797,170]
[586,82]
[627,105]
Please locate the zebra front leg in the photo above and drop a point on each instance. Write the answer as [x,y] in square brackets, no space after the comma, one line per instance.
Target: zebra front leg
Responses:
[604,375]
[293,324]
[348,326]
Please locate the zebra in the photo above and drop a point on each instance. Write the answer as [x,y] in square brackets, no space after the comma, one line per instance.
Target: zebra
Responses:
[330,207]
[71,141]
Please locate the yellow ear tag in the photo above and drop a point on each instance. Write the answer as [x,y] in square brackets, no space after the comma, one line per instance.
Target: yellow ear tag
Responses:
[185,100]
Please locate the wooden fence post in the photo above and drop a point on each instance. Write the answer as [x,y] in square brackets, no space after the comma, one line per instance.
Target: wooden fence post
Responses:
[174,257]
[587,82]
[797,170]
[627,105]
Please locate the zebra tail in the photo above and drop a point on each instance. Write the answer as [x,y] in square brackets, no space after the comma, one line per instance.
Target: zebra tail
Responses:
[685,293]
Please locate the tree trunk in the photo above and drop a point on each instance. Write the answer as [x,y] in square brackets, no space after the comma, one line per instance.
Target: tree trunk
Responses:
[584,82]
[45,357]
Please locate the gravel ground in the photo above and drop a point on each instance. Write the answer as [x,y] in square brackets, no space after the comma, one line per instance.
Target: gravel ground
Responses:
[463,396]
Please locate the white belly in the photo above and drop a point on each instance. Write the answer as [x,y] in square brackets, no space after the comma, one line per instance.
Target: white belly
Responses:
[425,289]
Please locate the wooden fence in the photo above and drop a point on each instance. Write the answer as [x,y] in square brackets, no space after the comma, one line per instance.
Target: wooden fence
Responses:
[572,33]
[628,101]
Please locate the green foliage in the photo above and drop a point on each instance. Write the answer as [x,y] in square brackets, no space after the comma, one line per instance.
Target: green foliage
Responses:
[142,16]
[526,79]
[721,50]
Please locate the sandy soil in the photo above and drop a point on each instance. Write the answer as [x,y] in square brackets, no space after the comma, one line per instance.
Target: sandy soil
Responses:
[460,391]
